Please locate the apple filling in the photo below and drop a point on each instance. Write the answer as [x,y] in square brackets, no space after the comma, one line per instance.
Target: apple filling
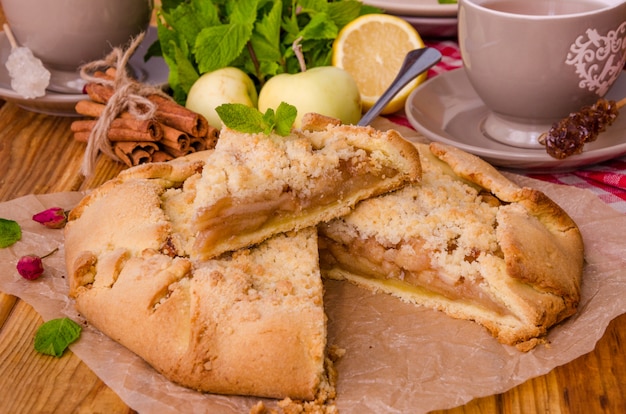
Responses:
[233,217]
[407,265]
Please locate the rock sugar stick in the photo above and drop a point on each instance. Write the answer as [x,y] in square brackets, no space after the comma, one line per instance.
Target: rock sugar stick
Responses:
[29,77]
[569,135]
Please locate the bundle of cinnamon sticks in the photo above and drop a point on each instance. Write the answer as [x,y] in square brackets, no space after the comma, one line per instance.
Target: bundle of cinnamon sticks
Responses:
[175,130]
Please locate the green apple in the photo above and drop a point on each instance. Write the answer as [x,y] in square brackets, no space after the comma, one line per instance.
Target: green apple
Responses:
[327,90]
[222,86]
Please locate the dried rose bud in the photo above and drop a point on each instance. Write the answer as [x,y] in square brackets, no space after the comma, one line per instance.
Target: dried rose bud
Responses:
[54,218]
[31,266]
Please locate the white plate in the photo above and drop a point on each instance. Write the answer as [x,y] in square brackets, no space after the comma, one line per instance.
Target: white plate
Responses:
[430,8]
[434,27]
[446,109]
[154,72]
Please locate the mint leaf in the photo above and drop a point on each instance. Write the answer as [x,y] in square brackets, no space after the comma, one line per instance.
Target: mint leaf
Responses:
[266,36]
[54,336]
[313,5]
[343,12]
[187,22]
[185,73]
[320,27]
[10,232]
[243,118]
[269,121]
[216,47]
[265,42]
[170,4]
[285,117]
[244,11]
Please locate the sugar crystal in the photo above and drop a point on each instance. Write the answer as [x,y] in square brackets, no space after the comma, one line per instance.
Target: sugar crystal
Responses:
[29,77]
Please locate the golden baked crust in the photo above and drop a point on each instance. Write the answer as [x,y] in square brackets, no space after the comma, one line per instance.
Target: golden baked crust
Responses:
[249,323]
[466,241]
[542,245]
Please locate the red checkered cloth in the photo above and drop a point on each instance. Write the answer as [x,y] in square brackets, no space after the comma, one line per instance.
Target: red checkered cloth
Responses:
[607,179]
[450,56]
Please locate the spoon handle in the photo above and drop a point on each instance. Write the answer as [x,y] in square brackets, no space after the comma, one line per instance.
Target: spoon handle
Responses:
[416,62]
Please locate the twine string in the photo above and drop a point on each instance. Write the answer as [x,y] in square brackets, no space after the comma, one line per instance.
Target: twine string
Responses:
[128,96]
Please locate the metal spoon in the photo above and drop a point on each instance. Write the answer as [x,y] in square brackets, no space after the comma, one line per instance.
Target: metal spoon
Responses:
[416,62]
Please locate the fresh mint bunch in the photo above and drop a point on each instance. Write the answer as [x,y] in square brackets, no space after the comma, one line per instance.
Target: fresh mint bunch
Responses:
[250,120]
[256,36]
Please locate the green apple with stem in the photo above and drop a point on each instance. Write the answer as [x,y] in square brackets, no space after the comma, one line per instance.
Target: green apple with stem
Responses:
[326,90]
[221,86]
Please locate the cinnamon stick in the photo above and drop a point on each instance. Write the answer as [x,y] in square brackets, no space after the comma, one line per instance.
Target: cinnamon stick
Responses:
[168,112]
[179,117]
[198,144]
[135,153]
[98,93]
[210,140]
[173,138]
[121,129]
[173,114]
[93,109]
[90,108]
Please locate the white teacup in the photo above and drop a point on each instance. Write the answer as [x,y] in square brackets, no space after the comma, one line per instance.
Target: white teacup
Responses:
[533,62]
[65,34]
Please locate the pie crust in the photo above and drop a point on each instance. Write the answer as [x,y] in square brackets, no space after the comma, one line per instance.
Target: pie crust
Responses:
[466,241]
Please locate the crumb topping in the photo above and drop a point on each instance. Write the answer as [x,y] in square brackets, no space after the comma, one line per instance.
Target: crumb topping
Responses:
[446,215]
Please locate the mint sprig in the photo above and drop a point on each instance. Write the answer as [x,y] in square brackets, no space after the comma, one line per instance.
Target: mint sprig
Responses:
[10,232]
[249,120]
[256,36]
[54,336]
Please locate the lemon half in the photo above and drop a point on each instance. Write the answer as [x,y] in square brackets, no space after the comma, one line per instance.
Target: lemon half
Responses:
[372,48]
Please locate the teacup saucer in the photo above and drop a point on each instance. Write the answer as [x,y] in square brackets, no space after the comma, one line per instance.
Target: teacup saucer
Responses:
[154,71]
[447,109]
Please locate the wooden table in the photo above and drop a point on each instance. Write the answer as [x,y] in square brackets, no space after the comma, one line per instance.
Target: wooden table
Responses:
[38,155]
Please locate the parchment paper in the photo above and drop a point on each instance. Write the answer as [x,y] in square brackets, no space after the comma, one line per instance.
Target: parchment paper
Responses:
[399,357]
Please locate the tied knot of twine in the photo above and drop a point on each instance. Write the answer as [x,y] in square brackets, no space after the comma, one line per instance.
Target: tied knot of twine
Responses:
[128,96]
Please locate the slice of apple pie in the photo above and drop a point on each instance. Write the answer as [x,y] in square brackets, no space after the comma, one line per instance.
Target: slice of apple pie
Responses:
[249,323]
[255,185]
[466,241]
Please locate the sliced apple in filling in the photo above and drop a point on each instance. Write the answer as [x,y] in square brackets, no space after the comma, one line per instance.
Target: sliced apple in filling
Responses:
[466,241]
[254,185]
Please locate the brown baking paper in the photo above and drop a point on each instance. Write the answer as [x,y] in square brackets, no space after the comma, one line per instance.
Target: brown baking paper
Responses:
[399,357]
